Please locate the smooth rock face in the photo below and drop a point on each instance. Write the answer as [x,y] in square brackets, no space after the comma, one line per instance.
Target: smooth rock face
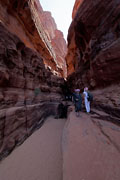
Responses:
[37,29]
[28,92]
[93,57]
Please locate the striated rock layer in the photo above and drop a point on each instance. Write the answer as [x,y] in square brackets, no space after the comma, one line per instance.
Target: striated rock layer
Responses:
[28,92]
[55,37]
[93,57]
[37,29]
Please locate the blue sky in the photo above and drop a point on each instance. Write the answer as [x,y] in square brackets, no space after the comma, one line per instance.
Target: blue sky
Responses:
[61,11]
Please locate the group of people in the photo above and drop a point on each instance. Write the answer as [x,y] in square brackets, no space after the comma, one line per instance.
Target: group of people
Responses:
[77,99]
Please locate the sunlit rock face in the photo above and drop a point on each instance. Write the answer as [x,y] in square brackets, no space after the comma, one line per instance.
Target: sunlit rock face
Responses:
[28,92]
[60,48]
[93,57]
[76,6]
[36,29]
[56,38]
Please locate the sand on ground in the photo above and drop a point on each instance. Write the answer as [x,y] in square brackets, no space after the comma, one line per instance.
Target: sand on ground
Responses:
[91,149]
[83,148]
[39,157]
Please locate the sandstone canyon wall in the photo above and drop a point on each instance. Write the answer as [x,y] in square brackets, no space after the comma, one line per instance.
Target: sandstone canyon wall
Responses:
[56,38]
[37,29]
[76,6]
[29,92]
[94,43]
[93,57]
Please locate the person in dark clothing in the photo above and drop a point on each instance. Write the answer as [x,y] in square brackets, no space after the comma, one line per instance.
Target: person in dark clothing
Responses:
[77,99]
[62,110]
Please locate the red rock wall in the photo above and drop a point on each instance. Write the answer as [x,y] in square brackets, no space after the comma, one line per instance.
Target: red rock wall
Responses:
[35,28]
[28,92]
[94,45]
[55,37]
[76,6]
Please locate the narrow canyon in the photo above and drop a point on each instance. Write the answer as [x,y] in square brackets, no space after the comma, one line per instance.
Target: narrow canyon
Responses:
[39,139]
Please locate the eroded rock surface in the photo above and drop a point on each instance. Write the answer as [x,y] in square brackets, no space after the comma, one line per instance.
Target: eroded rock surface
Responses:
[93,44]
[28,92]
[37,29]
[93,57]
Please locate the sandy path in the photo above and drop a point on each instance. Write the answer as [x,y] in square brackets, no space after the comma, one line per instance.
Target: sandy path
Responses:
[39,157]
[91,149]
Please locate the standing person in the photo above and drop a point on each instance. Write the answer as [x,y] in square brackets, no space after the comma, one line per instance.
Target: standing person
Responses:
[87,102]
[77,99]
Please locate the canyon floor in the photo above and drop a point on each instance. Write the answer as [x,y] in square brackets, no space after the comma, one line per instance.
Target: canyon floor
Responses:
[79,148]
